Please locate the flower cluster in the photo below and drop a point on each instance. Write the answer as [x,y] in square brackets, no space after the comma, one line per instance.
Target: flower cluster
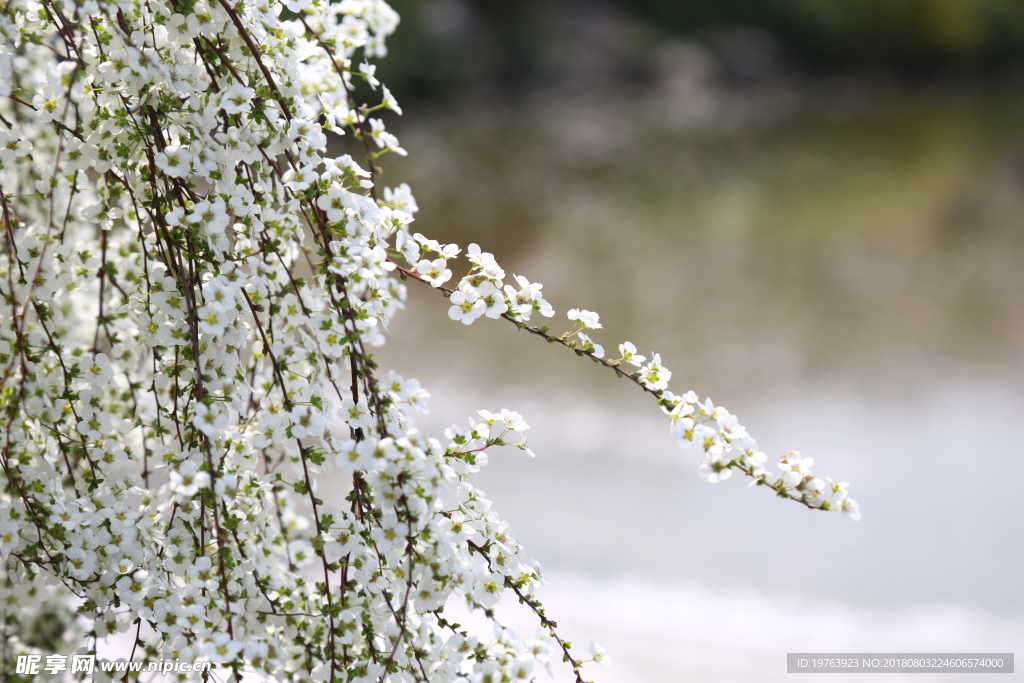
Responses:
[712,430]
[483,292]
[192,275]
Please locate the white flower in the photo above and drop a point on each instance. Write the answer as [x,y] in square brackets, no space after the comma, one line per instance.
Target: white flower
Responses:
[101,216]
[390,102]
[466,306]
[306,133]
[795,467]
[506,425]
[630,355]
[485,262]
[715,469]
[356,415]
[754,461]
[489,588]
[368,71]
[391,535]
[175,161]
[458,524]
[221,648]
[383,138]
[435,272]
[402,199]
[527,299]
[333,203]
[212,216]
[590,347]
[213,318]
[306,423]
[301,180]
[322,671]
[589,319]
[838,489]
[210,419]
[813,490]
[599,655]
[12,146]
[187,480]
[236,99]
[851,509]
[654,375]
[494,301]
[98,373]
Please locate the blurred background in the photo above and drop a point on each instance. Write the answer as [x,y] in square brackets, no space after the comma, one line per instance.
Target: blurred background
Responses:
[814,210]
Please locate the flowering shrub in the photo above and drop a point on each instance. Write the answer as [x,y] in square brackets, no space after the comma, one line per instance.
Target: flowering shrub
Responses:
[191,283]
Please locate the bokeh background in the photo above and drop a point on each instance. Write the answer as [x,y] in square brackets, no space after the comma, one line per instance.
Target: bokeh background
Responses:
[814,210]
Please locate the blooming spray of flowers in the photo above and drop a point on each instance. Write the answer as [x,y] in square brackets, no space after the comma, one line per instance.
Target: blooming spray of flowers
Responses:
[191,286]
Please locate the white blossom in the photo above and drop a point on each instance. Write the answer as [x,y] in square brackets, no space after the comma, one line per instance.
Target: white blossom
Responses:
[193,282]
[588,319]
[630,355]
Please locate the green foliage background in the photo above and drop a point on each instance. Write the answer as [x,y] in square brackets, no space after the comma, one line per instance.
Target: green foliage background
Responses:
[448,44]
[845,33]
